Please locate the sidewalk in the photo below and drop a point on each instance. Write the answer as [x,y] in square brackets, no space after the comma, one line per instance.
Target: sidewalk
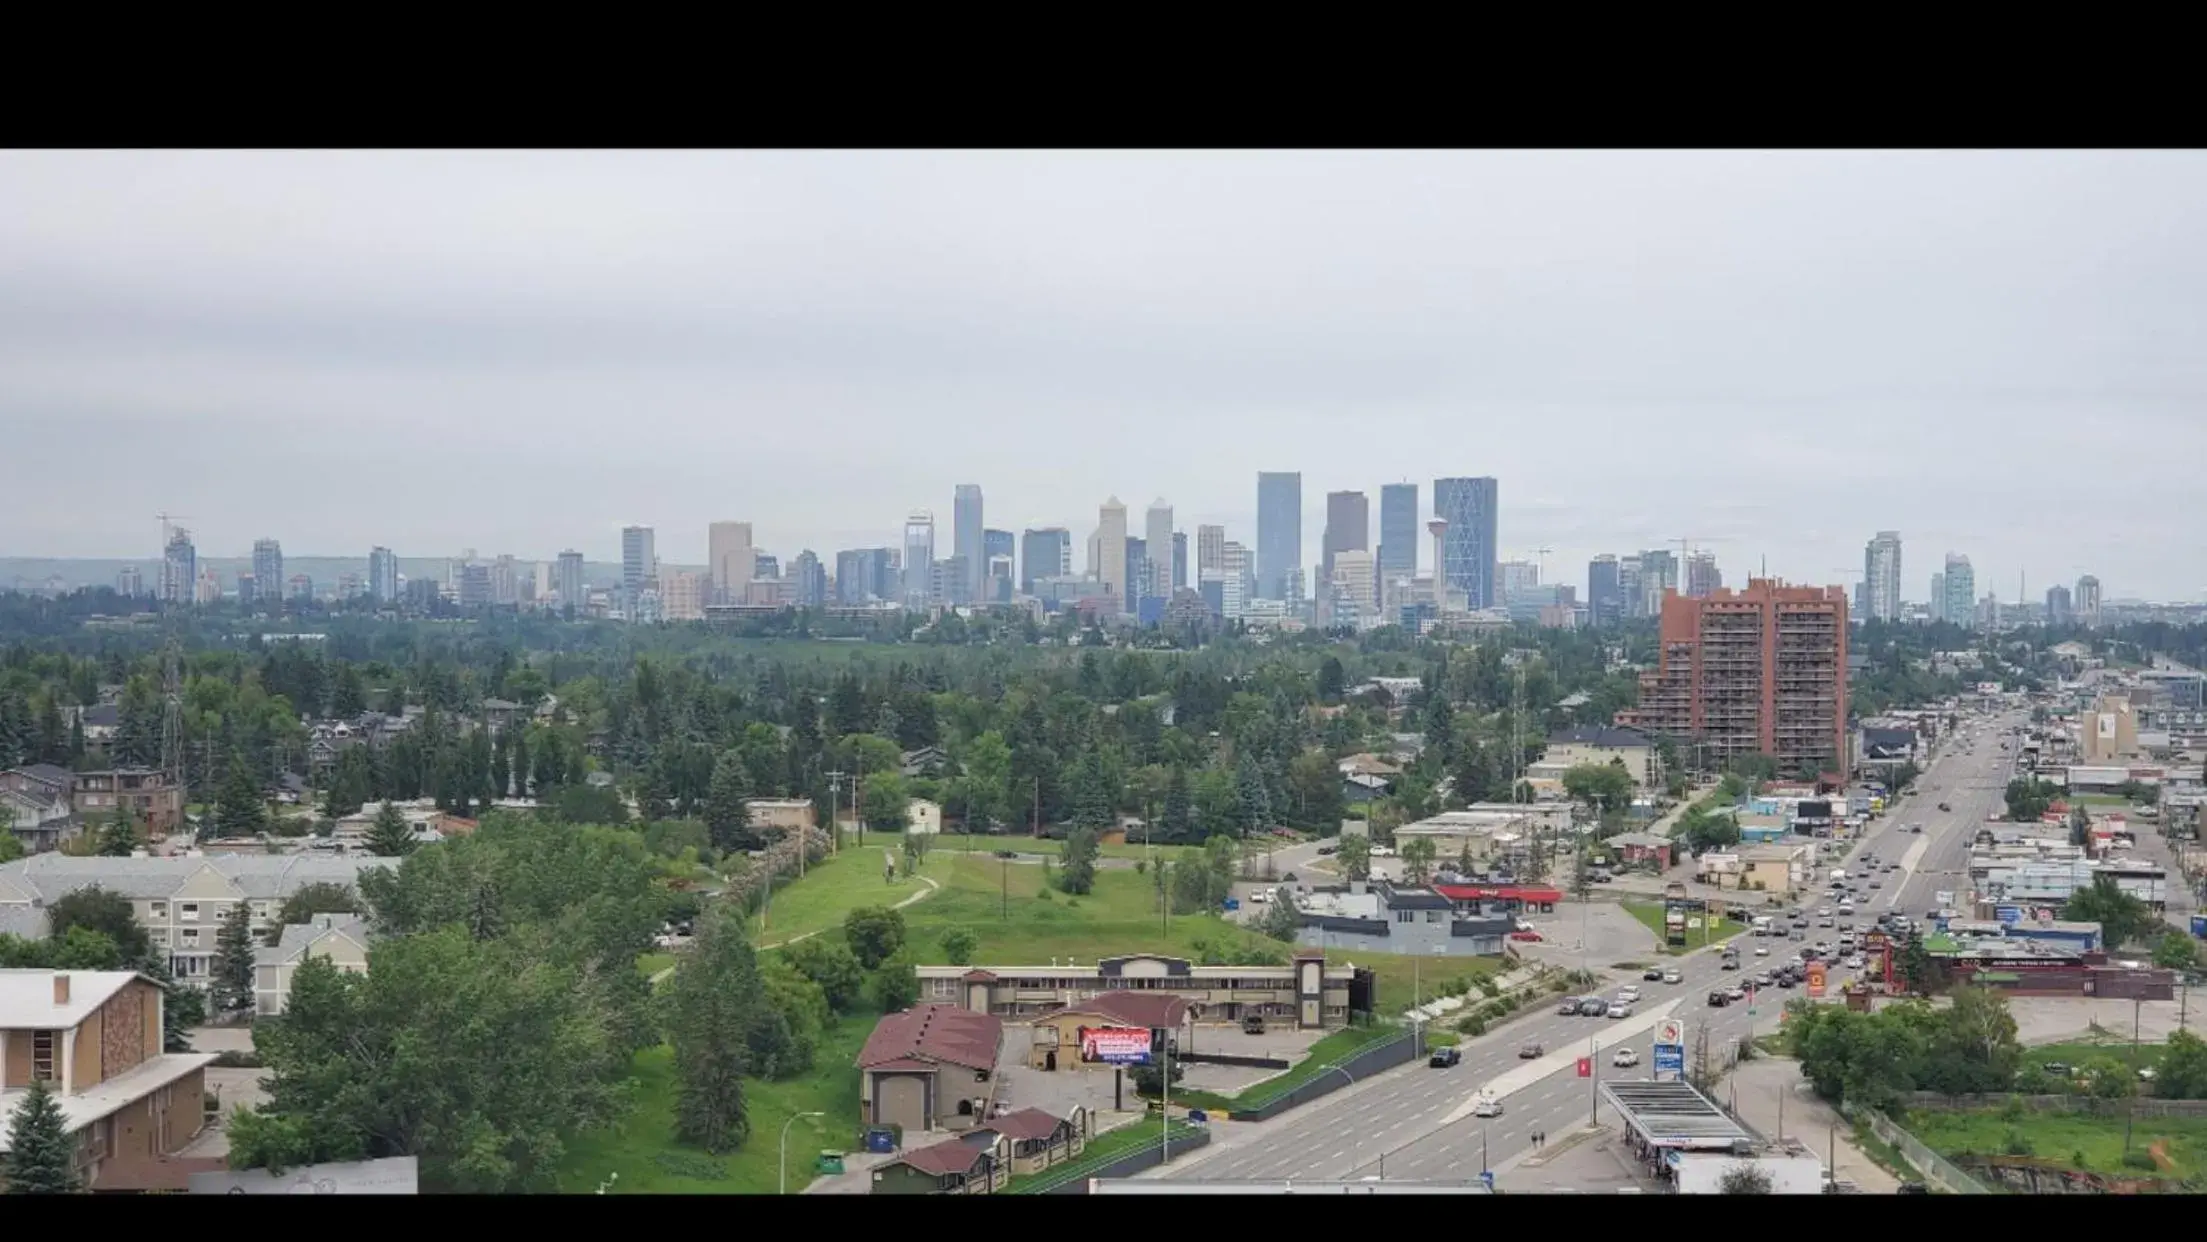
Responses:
[1769,1094]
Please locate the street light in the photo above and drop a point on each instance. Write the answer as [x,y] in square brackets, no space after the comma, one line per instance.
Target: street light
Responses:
[782,1166]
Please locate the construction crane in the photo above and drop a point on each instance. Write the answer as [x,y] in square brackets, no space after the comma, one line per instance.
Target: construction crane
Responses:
[167,520]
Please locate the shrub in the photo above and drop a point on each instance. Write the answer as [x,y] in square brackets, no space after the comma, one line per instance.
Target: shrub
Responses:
[2017,1143]
[2077,1158]
[1474,1026]
[2012,1110]
[2142,1161]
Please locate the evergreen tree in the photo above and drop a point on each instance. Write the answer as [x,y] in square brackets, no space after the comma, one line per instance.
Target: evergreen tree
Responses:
[42,1157]
[1252,803]
[501,760]
[349,698]
[390,836]
[239,811]
[120,836]
[520,761]
[1078,875]
[1177,822]
[713,1004]
[727,813]
[232,982]
[1094,808]
[1440,725]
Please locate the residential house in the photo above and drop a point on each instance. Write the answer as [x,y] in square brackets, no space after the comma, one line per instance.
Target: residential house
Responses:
[182,901]
[498,713]
[96,1039]
[954,1167]
[923,816]
[421,815]
[36,806]
[1056,1039]
[99,722]
[781,815]
[1361,788]
[1038,1140]
[1369,765]
[342,938]
[151,797]
[927,761]
[930,1067]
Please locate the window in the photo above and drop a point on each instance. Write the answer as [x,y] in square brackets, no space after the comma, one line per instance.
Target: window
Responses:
[42,1056]
[1432,916]
[188,911]
[160,909]
[191,937]
[1406,916]
[160,935]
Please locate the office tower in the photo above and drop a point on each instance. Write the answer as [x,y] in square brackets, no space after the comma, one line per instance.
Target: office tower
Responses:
[268,569]
[1759,671]
[474,585]
[1881,575]
[1703,578]
[639,561]
[1235,575]
[1210,549]
[1355,587]
[995,543]
[248,587]
[179,568]
[1109,561]
[1137,568]
[808,580]
[968,536]
[348,586]
[866,576]
[1044,552]
[919,558]
[1516,581]
[1605,599]
[1938,597]
[1628,584]
[382,575]
[998,581]
[950,578]
[730,558]
[130,582]
[1398,531]
[1658,577]
[1471,508]
[2088,600]
[541,583]
[505,580]
[1179,562]
[299,588]
[572,593]
[1279,532]
[765,565]
[2058,607]
[1348,529]
[1156,580]
[1961,590]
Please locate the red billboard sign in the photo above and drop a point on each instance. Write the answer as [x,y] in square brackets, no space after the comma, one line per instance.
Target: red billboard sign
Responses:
[1586,1067]
[1115,1045]
[1816,980]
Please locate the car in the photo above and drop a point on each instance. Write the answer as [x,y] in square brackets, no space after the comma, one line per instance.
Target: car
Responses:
[1737,994]
[1568,1007]
[1762,950]
[1801,922]
[1325,850]
[1007,853]
[1626,1058]
[1593,1007]
[1786,981]
[1653,974]
[1731,963]
[1252,1024]
[1719,999]
[1617,1010]
[1823,912]
[1874,883]
[1259,897]
[1918,830]
[1628,994]
[1486,1106]
[1445,1058]
[1796,934]
[1672,976]
[1857,962]
[1382,851]
[1825,923]
[1947,807]
[1532,1051]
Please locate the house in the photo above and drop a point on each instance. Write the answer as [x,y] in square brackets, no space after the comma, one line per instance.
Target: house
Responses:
[1361,788]
[929,1067]
[421,815]
[182,901]
[953,1167]
[342,938]
[41,780]
[781,815]
[1369,765]
[288,789]
[1776,869]
[1038,1140]
[1058,1042]
[1643,847]
[155,801]
[1593,744]
[498,713]
[926,761]
[923,816]
[100,723]
[96,1038]
[40,823]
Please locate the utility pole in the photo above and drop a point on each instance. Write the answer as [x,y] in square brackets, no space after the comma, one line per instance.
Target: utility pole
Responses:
[835,825]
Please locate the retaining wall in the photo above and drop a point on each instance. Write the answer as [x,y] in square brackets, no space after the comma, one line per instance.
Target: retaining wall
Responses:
[1360,1065]
[1133,1162]
[1937,1170]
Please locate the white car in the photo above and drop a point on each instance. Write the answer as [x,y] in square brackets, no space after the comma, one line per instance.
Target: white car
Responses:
[1629,994]
[1486,1106]
[1762,950]
[1626,1058]
[1383,851]
[1672,976]
[1259,897]
[1619,1009]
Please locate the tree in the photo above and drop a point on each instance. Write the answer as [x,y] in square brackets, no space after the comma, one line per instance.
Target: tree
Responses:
[2122,917]
[1095,803]
[99,910]
[888,802]
[714,1001]
[1743,1179]
[2028,799]
[390,836]
[896,986]
[875,933]
[1918,973]
[1177,822]
[232,981]
[1356,856]
[319,897]
[1252,802]
[2109,1079]
[830,964]
[1280,921]
[2182,1074]
[239,810]
[727,805]
[1330,680]
[1077,875]
[1603,787]
[958,945]
[2176,951]
[1417,859]
[915,850]
[120,837]
[42,1156]
[988,774]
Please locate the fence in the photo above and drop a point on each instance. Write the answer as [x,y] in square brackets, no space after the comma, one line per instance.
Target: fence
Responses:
[1072,1177]
[1353,1068]
[2144,1106]
[1936,1169]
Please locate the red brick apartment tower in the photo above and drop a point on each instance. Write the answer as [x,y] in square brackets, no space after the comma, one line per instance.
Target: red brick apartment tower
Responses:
[1757,671]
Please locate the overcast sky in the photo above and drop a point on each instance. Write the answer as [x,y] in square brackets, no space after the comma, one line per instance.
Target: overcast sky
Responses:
[1774,355]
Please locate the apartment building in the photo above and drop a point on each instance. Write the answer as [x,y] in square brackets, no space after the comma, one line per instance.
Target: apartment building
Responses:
[1758,671]
[182,902]
[96,1039]
[156,801]
[342,938]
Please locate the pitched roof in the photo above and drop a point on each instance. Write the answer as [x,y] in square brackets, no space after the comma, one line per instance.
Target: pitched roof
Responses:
[27,996]
[297,938]
[943,1159]
[1025,1126]
[259,877]
[934,1033]
[1150,1009]
[49,774]
[1595,735]
[28,922]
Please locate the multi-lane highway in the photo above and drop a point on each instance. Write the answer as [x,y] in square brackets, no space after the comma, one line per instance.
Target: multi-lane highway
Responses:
[1416,1122]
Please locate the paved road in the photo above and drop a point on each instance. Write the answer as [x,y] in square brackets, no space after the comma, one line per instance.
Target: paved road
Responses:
[1970,774]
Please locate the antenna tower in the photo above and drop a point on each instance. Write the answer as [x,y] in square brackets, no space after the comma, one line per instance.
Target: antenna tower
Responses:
[172,715]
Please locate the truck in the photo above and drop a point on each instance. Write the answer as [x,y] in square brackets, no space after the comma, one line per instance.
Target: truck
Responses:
[1839,875]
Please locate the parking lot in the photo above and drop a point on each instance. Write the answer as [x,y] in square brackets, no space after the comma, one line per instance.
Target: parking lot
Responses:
[1059,1091]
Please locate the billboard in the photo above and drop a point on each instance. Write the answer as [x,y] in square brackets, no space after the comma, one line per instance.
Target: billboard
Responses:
[1115,1045]
[1670,1059]
[1816,980]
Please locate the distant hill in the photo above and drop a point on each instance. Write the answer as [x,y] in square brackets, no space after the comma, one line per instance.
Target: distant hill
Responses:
[31,573]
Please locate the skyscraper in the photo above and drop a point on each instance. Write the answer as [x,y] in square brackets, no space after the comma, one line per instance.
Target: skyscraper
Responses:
[1279,532]
[1703,578]
[1179,562]
[1398,531]
[729,555]
[2058,607]
[129,582]
[268,569]
[1044,552]
[969,536]
[382,575]
[572,593]
[1938,597]
[1348,529]
[1111,566]
[1516,581]
[996,543]
[505,579]
[2088,600]
[1354,594]
[1605,597]
[919,558]
[1210,550]
[639,563]
[179,568]
[1471,508]
[808,580]
[1881,576]
[1961,590]
[1157,546]
[1658,577]
[866,576]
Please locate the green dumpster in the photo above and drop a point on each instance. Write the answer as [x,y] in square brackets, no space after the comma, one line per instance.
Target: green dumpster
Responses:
[830,1162]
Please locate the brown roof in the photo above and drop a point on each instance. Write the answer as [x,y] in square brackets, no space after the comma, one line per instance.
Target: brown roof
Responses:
[934,1033]
[1026,1125]
[977,975]
[955,1156]
[1151,1009]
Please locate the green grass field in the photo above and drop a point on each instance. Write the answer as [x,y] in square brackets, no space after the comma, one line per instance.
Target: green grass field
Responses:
[1650,915]
[834,887]
[652,963]
[2145,1056]
[2064,1137]
[1025,844]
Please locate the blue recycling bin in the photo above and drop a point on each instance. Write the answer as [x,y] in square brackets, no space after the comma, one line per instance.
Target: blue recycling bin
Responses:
[880,1141]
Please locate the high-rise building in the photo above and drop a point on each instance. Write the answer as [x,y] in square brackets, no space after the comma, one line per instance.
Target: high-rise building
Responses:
[765,565]
[382,575]
[208,590]
[474,585]
[995,543]
[1938,597]
[299,588]
[1515,581]
[1658,577]
[1233,579]
[731,559]
[1759,671]
[999,581]
[1961,590]
[129,582]
[1279,532]
[180,569]
[348,586]
[1355,593]
[1179,560]
[1605,599]
[1471,507]
[808,580]
[543,583]
[949,586]
[505,580]
[572,593]
[248,589]
[1137,566]
[1044,552]
[2088,600]
[866,576]
[1703,578]
[1348,529]
[1398,531]
[639,561]
[968,536]
[682,596]
[1881,576]
[268,569]
[1110,559]
[2058,607]
[1210,550]
[1156,582]
[919,559]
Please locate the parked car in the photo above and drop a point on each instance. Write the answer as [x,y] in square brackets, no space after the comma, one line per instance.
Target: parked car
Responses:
[1531,1052]
[1947,807]
[1445,1058]
[1918,830]
[1007,853]
[1626,1058]
[1253,1024]
[1324,850]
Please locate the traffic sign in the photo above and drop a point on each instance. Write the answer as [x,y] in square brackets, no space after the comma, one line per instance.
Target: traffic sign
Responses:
[1670,1059]
[1670,1031]
[1487,1176]
[1586,1067]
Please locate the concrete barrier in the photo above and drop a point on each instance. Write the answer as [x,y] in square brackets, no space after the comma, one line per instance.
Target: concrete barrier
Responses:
[1220,1058]
[1127,1165]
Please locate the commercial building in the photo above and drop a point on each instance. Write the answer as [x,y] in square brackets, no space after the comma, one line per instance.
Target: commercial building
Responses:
[2088,600]
[1398,531]
[866,576]
[1279,533]
[919,559]
[1156,579]
[1605,600]
[1959,587]
[1354,600]
[1703,578]
[1632,749]
[97,1039]
[2060,609]
[1058,1039]
[2109,731]
[1471,507]
[968,537]
[1109,561]
[639,563]
[1881,570]
[1044,552]
[1759,671]
[730,556]
[1658,579]
[179,568]
[572,592]
[1348,528]
[1488,828]
[1381,918]
[930,1067]
[1664,1122]
[1311,992]
[682,596]
[268,569]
